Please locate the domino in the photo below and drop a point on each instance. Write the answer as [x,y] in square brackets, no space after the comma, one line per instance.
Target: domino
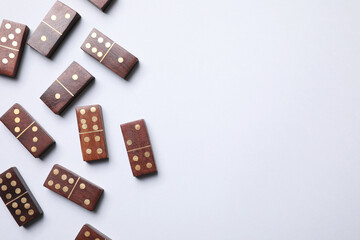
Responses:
[109,53]
[29,132]
[88,232]
[101,4]
[91,132]
[73,187]
[18,198]
[66,88]
[12,41]
[138,147]
[53,29]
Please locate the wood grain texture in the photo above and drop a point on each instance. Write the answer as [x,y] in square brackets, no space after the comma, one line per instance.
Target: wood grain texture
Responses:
[18,198]
[73,187]
[88,232]
[91,132]
[12,41]
[109,53]
[29,132]
[138,147]
[66,88]
[53,29]
[101,4]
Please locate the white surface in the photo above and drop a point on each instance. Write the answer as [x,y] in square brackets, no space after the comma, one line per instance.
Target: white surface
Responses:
[252,109]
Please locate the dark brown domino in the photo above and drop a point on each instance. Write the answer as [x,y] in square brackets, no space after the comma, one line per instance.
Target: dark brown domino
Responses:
[53,29]
[66,88]
[17,197]
[92,133]
[12,41]
[138,147]
[88,232]
[109,53]
[29,132]
[101,4]
[73,187]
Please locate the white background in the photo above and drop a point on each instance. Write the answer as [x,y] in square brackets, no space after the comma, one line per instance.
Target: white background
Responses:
[252,109]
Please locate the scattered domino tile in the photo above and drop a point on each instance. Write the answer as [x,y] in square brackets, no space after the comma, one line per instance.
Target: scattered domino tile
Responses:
[66,88]
[109,53]
[53,29]
[12,41]
[138,146]
[73,187]
[88,232]
[17,197]
[101,4]
[91,132]
[29,132]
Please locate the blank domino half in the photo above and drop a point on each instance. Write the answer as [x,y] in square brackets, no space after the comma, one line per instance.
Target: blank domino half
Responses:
[101,4]
[12,41]
[17,197]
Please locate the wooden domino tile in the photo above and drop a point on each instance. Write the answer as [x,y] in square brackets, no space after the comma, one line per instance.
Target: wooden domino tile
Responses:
[101,4]
[92,133]
[88,232]
[73,187]
[17,197]
[29,132]
[12,41]
[53,29]
[66,87]
[109,53]
[138,147]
